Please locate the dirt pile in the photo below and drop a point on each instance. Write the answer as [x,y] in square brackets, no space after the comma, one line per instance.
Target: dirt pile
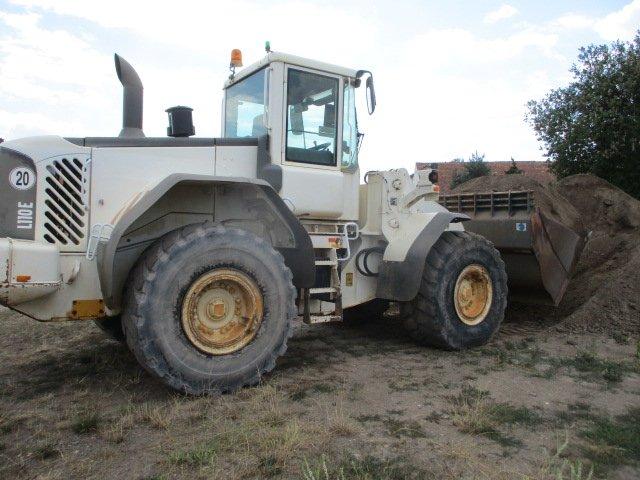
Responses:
[604,293]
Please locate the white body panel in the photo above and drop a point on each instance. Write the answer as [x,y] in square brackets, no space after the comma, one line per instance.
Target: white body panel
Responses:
[133,171]
[235,162]
[45,146]
[313,193]
[38,262]
[79,281]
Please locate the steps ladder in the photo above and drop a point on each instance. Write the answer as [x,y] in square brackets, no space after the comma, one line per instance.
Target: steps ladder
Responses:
[326,257]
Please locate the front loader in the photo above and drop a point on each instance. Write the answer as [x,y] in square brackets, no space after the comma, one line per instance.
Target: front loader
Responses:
[201,252]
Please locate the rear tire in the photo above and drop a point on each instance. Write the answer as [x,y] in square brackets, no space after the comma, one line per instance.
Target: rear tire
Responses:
[463,293]
[203,270]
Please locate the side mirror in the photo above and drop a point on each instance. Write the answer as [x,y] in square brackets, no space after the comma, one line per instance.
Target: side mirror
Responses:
[371,95]
[370,92]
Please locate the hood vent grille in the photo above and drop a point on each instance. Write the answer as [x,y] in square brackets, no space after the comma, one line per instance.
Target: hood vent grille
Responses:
[66,200]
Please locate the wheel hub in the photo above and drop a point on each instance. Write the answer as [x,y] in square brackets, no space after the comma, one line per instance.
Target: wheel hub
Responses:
[222,311]
[216,309]
[473,294]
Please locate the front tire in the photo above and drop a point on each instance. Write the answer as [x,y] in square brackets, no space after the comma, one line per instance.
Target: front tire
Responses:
[463,293]
[209,309]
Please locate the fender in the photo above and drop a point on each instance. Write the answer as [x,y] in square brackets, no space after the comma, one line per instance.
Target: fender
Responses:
[400,280]
[299,256]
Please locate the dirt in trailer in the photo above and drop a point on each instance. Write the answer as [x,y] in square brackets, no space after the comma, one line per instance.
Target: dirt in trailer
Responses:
[604,293]
[347,401]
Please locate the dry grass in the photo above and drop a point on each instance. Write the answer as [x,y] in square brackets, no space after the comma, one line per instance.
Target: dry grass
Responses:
[155,415]
[253,433]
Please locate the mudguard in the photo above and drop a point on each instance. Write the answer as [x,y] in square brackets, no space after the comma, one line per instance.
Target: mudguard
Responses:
[299,257]
[400,280]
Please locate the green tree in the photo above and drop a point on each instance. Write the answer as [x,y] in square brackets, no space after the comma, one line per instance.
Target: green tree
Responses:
[593,124]
[473,168]
[513,169]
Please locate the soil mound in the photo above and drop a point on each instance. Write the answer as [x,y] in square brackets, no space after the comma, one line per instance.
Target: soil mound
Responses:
[604,207]
[498,183]
[604,294]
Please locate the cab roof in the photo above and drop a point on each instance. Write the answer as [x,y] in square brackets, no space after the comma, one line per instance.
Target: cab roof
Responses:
[291,60]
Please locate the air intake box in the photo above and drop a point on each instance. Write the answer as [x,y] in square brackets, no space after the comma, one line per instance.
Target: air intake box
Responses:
[180,122]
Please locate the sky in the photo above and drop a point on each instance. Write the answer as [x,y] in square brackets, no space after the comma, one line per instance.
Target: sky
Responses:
[452,77]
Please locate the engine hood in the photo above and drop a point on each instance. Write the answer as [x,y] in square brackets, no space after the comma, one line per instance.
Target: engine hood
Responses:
[45,146]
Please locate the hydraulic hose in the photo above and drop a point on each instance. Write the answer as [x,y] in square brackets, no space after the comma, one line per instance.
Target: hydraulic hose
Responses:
[364,254]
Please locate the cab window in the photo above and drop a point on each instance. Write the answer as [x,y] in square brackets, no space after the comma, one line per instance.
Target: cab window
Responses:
[312,116]
[245,107]
[349,161]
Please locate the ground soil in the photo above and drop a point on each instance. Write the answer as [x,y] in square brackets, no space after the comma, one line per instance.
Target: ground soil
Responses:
[361,399]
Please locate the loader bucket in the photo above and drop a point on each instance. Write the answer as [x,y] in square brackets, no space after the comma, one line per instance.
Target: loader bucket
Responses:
[540,253]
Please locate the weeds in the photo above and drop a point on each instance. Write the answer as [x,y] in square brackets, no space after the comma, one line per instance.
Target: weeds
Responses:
[46,451]
[574,411]
[404,384]
[341,424]
[204,454]
[366,468]
[620,338]
[596,368]
[300,392]
[560,468]
[522,354]
[403,428]
[369,418]
[505,413]
[475,414]
[155,416]
[87,422]
[270,466]
[614,441]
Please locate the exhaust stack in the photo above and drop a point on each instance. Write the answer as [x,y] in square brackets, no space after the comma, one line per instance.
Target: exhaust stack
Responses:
[132,93]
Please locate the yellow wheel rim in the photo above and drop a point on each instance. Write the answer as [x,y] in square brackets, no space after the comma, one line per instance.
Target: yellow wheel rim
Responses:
[473,294]
[222,311]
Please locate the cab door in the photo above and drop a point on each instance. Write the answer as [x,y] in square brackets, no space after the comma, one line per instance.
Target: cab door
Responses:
[313,184]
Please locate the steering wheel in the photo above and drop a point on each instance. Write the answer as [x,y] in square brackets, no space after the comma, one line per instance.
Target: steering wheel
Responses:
[322,146]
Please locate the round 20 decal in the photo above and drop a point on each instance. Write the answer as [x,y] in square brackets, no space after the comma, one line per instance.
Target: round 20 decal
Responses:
[22,178]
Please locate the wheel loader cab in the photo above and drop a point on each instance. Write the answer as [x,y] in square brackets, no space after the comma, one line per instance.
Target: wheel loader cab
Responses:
[308,110]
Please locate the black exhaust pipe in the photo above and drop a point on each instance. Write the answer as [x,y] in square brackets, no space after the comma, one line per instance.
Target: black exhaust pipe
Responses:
[131,99]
